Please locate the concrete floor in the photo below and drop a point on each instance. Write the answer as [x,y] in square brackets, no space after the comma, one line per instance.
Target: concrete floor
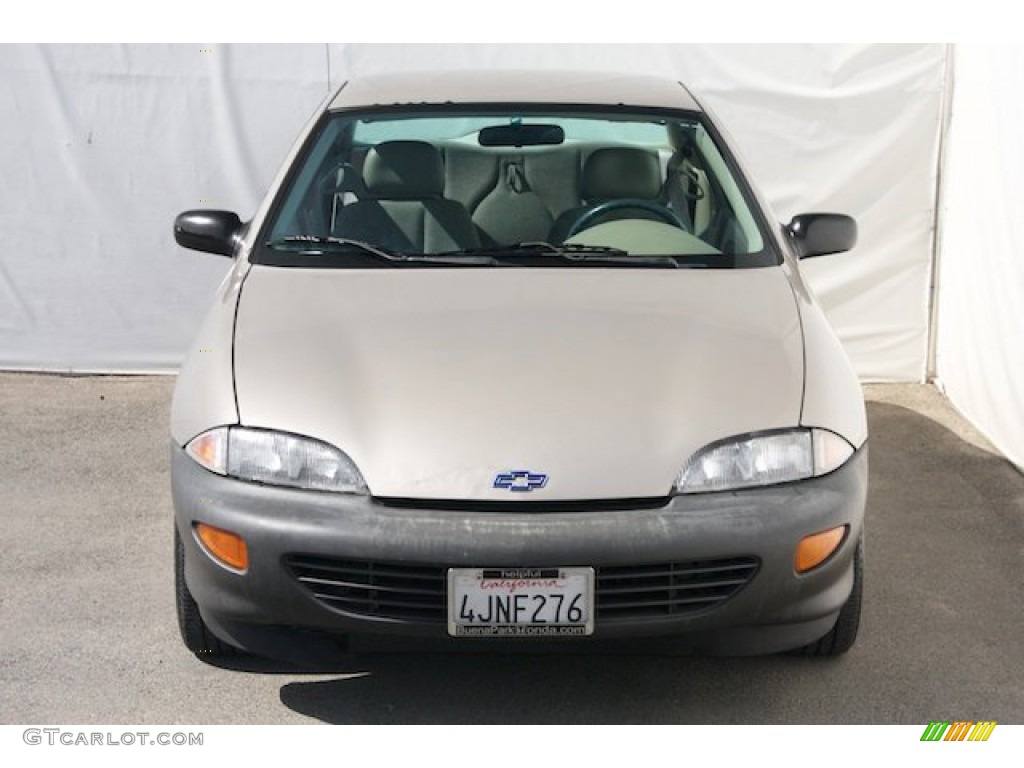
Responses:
[88,631]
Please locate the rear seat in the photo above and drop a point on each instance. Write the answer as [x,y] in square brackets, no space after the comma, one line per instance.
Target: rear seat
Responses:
[517,195]
[513,196]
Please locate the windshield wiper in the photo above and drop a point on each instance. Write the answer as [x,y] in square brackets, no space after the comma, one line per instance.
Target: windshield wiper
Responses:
[321,245]
[539,248]
[335,243]
[570,252]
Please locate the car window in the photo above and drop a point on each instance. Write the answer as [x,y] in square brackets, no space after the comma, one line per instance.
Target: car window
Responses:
[514,187]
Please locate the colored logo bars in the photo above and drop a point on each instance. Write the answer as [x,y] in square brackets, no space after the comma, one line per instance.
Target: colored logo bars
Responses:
[961,730]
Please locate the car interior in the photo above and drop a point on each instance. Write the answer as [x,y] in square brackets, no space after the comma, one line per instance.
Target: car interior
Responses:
[507,184]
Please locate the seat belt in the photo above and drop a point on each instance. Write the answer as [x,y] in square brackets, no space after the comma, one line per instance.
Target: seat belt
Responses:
[515,176]
[685,187]
[698,180]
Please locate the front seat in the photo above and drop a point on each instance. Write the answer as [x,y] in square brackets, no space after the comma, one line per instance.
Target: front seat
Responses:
[613,173]
[403,208]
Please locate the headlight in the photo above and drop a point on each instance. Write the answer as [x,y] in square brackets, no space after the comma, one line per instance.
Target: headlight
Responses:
[276,458]
[756,460]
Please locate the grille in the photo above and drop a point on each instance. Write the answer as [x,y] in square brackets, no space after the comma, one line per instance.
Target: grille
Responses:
[670,589]
[370,588]
[525,506]
[417,592]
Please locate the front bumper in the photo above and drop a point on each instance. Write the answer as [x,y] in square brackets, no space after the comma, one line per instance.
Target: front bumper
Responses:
[267,611]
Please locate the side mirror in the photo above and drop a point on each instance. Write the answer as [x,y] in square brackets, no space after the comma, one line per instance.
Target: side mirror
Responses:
[209,231]
[818,234]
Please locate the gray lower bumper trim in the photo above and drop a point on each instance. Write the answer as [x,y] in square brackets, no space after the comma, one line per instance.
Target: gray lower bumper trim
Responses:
[776,610]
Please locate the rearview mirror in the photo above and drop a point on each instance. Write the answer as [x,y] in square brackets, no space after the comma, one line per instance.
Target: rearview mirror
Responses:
[818,234]
[209,231]
[520,135]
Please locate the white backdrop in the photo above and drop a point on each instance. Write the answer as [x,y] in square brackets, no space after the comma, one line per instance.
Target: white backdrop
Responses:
[981,277]
[102,145]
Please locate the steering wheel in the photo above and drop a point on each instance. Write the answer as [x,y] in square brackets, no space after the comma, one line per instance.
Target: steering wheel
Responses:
[665,214]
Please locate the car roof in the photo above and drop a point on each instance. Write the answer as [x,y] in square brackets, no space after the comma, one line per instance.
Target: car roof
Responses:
[513,86]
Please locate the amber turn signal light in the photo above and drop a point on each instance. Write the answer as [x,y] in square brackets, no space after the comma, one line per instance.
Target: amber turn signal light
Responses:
[815,549]
[229,548]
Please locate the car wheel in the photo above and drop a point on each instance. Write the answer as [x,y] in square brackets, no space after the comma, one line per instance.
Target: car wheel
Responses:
[197,636]
[841,637]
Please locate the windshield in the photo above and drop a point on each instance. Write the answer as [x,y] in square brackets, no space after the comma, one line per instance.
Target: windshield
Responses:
[523,187]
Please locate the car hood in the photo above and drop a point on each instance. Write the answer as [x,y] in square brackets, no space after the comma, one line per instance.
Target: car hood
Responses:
[435,381]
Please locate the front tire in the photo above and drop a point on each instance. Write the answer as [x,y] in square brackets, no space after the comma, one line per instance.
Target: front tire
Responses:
[842,636]
[196,635]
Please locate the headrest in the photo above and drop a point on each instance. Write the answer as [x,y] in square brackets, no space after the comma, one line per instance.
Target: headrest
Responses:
[615,172]
[404,170]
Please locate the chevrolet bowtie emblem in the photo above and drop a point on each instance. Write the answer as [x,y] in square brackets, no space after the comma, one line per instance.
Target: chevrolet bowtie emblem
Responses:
[520,481]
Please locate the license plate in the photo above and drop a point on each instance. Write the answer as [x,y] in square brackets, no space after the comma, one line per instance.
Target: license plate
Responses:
[523,602]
